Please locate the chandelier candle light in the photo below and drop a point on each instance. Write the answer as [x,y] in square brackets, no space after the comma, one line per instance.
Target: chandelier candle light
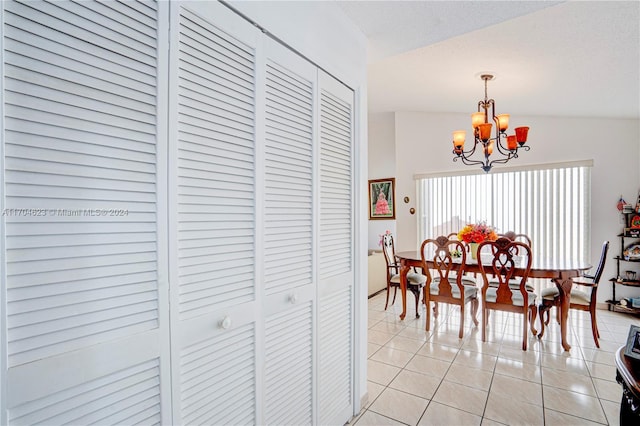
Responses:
[506,145]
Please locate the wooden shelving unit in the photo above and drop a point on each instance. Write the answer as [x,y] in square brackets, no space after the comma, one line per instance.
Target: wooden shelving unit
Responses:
[614,304]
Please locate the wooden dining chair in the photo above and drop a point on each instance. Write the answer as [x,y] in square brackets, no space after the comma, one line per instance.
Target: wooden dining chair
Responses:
[445,278]
[415,280]
[580,299]
[507,260]
[515,282]
[467,279]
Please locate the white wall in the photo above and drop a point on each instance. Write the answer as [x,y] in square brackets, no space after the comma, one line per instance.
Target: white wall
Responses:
[382,164]
[423,145]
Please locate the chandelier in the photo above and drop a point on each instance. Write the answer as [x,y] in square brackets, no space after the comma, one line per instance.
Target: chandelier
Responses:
[495,150]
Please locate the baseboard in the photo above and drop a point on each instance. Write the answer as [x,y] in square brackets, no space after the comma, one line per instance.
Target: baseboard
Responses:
[377,293]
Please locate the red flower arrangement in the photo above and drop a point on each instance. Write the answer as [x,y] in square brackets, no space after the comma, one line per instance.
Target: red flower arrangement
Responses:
[477,233]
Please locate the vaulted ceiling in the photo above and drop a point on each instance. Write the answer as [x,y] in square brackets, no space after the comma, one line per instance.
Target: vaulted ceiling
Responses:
[575,58]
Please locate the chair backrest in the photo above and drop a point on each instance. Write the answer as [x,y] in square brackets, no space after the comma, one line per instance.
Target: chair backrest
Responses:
[508,259]
[603,259]
[440,252]
[389,251]
[523,238]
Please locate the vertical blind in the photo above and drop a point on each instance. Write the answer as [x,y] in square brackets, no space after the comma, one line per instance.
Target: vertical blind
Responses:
[551,205]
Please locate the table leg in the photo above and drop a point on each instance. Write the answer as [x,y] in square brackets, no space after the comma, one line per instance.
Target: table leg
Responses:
[404,268]
[564,284]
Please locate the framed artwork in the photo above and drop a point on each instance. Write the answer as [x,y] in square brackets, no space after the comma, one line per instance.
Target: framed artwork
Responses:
[382,199]
[632,349]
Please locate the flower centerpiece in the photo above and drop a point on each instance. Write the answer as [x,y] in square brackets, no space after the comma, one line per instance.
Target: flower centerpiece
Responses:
[475,233]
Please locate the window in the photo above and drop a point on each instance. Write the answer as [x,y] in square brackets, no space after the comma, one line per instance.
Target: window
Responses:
[550,203]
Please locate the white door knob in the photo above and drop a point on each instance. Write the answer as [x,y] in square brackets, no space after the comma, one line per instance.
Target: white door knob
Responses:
[293,298]
[225,323]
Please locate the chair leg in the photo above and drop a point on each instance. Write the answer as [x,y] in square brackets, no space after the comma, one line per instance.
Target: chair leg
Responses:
[533,309]
[484,323]
[435,309]
[386,304]
[394,294]
[594,326]
[474,311]
[417,295]
[542,312]
[427,302]
[525,324]
[461,331]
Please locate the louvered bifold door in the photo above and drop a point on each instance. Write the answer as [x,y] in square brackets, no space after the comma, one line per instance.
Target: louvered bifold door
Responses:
[288,280]
[335,254]
[85,301]
[213,221]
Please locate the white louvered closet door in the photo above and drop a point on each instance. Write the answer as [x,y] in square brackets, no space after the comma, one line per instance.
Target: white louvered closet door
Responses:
[288,236]
[85,304]
[336,273]
[214,251]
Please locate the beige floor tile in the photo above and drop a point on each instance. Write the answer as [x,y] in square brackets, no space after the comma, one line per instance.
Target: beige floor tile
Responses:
[438,414]
[380,372]
[507,387]
[437,351]
[405,344]
[568,381]
[508,411]
[446,339]
[612,411]
[469,376]
[611,391]
[489,422]
[417,384]
[517,354]
[564,363]
[573,403]
[461,397]
[518,370]
[555,418]
[429,366]
[372,348]
[602,371]
[475,360]
[388,327]
[378,337]
[392,356]
[487,348]
[370,418]
[497,379]
[400,406]
[416,333]
[373,390]
[601,357]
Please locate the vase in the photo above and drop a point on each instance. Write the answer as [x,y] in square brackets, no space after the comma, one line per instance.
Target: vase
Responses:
[473,248]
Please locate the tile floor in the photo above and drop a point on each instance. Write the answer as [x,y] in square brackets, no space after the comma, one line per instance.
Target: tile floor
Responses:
[433,378]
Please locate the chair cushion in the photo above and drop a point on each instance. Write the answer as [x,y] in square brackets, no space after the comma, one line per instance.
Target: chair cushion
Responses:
[470,291]
[516,296]
[578,297]
[412,278]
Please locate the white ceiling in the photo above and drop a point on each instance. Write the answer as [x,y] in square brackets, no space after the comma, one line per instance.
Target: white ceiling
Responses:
[576,58]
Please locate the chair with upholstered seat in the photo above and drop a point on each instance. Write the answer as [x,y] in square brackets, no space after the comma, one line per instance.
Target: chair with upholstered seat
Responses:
[415,280]
[445,278]
[506,260]
[523,238]
[580,299]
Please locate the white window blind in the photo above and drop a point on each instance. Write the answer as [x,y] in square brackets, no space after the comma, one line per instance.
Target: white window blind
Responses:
[551,205]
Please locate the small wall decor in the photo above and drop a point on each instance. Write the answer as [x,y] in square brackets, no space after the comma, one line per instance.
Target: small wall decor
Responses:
[633,343]
[406,200]
[382,197]
[412,210]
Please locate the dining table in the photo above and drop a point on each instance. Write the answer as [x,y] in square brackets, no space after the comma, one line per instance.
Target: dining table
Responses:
[560,271]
